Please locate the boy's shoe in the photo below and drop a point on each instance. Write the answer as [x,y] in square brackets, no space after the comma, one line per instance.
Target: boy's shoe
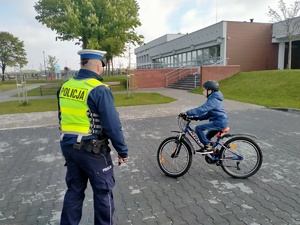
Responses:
[207,149]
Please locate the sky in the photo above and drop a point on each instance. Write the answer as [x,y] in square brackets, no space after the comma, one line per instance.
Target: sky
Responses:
[158,17]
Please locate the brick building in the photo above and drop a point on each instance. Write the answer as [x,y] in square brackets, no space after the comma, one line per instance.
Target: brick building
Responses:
[252,46]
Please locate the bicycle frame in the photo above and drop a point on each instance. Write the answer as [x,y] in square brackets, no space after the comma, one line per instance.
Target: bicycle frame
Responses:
[175,153]
[214,156]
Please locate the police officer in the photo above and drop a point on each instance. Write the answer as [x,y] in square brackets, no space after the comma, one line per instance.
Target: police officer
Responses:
[88,120]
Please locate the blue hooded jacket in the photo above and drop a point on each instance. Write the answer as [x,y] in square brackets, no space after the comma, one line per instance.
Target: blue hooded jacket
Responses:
[213,110]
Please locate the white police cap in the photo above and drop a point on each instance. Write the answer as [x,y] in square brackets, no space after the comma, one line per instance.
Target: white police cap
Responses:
[91,54]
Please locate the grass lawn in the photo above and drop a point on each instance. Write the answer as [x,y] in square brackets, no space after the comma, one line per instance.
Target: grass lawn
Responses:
[279,88]
[53,91]
[9,85]
[42,105]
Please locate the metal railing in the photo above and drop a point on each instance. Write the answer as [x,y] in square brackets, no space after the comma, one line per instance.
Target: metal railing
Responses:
[179,73]
[220,61]
[195,79]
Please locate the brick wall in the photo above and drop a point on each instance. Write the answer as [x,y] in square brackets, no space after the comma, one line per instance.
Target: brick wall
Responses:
[152,78]
[155,78]
[249,45]
[217,72]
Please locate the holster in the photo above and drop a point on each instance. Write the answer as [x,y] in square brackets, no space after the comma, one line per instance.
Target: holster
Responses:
[94,145]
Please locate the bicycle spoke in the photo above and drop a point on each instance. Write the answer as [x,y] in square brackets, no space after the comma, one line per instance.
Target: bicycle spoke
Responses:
[174,160]
[242,157]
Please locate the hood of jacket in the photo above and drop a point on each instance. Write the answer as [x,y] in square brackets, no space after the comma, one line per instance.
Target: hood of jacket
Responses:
[218,95]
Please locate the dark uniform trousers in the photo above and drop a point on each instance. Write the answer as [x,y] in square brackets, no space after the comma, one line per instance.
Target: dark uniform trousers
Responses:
[98,169]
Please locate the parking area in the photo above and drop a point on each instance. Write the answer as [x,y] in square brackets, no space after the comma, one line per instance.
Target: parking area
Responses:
[32,176]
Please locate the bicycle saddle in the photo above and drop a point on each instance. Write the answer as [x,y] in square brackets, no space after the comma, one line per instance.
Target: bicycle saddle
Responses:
[223,131]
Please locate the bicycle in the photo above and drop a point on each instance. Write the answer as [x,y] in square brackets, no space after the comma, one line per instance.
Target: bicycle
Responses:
[237,154]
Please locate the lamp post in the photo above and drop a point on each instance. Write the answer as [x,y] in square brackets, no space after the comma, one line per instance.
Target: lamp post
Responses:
[128,71]
[44,63]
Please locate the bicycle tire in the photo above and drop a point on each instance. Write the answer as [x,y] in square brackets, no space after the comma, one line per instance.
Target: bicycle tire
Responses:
[177,166]
[248,149]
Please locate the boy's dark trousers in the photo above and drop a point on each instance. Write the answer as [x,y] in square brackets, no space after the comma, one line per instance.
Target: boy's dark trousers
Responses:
[211,131]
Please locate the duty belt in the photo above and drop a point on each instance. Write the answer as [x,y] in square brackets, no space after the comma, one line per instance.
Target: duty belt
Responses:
[94,145]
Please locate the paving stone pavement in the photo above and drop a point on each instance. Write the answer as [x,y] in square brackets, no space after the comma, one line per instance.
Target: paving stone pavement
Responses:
[32,174]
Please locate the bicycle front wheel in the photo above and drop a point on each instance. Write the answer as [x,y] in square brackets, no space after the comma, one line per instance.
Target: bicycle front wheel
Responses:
[174,157]
[241,157]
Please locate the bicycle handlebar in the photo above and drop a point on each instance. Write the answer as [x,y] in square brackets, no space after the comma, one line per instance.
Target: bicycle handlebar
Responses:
[188,118]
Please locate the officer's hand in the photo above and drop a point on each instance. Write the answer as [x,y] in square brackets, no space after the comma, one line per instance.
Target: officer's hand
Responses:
[121,160]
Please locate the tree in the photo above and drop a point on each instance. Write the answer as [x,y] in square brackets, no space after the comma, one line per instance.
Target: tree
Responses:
[291,24]
[12,52]
[41,68]
[50,62]
[107,24]
[121,31]
[66,69]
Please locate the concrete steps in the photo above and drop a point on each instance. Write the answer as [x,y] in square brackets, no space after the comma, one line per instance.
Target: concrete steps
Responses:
[189,82]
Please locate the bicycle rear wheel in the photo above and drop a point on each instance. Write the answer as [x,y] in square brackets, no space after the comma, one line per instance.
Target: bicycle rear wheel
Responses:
[174,157]
[241,158]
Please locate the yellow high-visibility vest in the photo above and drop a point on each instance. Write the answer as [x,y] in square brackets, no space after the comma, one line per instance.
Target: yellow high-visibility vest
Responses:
[75,113]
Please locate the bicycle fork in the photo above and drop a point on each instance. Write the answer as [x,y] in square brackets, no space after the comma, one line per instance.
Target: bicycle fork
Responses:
[177,148]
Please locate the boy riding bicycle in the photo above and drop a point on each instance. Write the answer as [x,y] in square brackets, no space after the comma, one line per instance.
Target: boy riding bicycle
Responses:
[212,110]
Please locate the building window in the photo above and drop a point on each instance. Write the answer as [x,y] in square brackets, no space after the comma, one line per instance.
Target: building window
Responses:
[189,58]
[179,60]
[205,54]
[194,58]
[168,61]
[183,59]
[175,61]
[212,52]
[199,57]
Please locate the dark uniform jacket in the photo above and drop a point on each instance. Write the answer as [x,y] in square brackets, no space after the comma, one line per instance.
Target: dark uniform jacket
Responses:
[101,101]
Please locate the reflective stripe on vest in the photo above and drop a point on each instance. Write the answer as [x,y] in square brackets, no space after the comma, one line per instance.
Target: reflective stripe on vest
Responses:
[75,114]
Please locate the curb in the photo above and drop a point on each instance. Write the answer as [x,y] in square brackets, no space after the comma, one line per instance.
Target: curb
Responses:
[297,111]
